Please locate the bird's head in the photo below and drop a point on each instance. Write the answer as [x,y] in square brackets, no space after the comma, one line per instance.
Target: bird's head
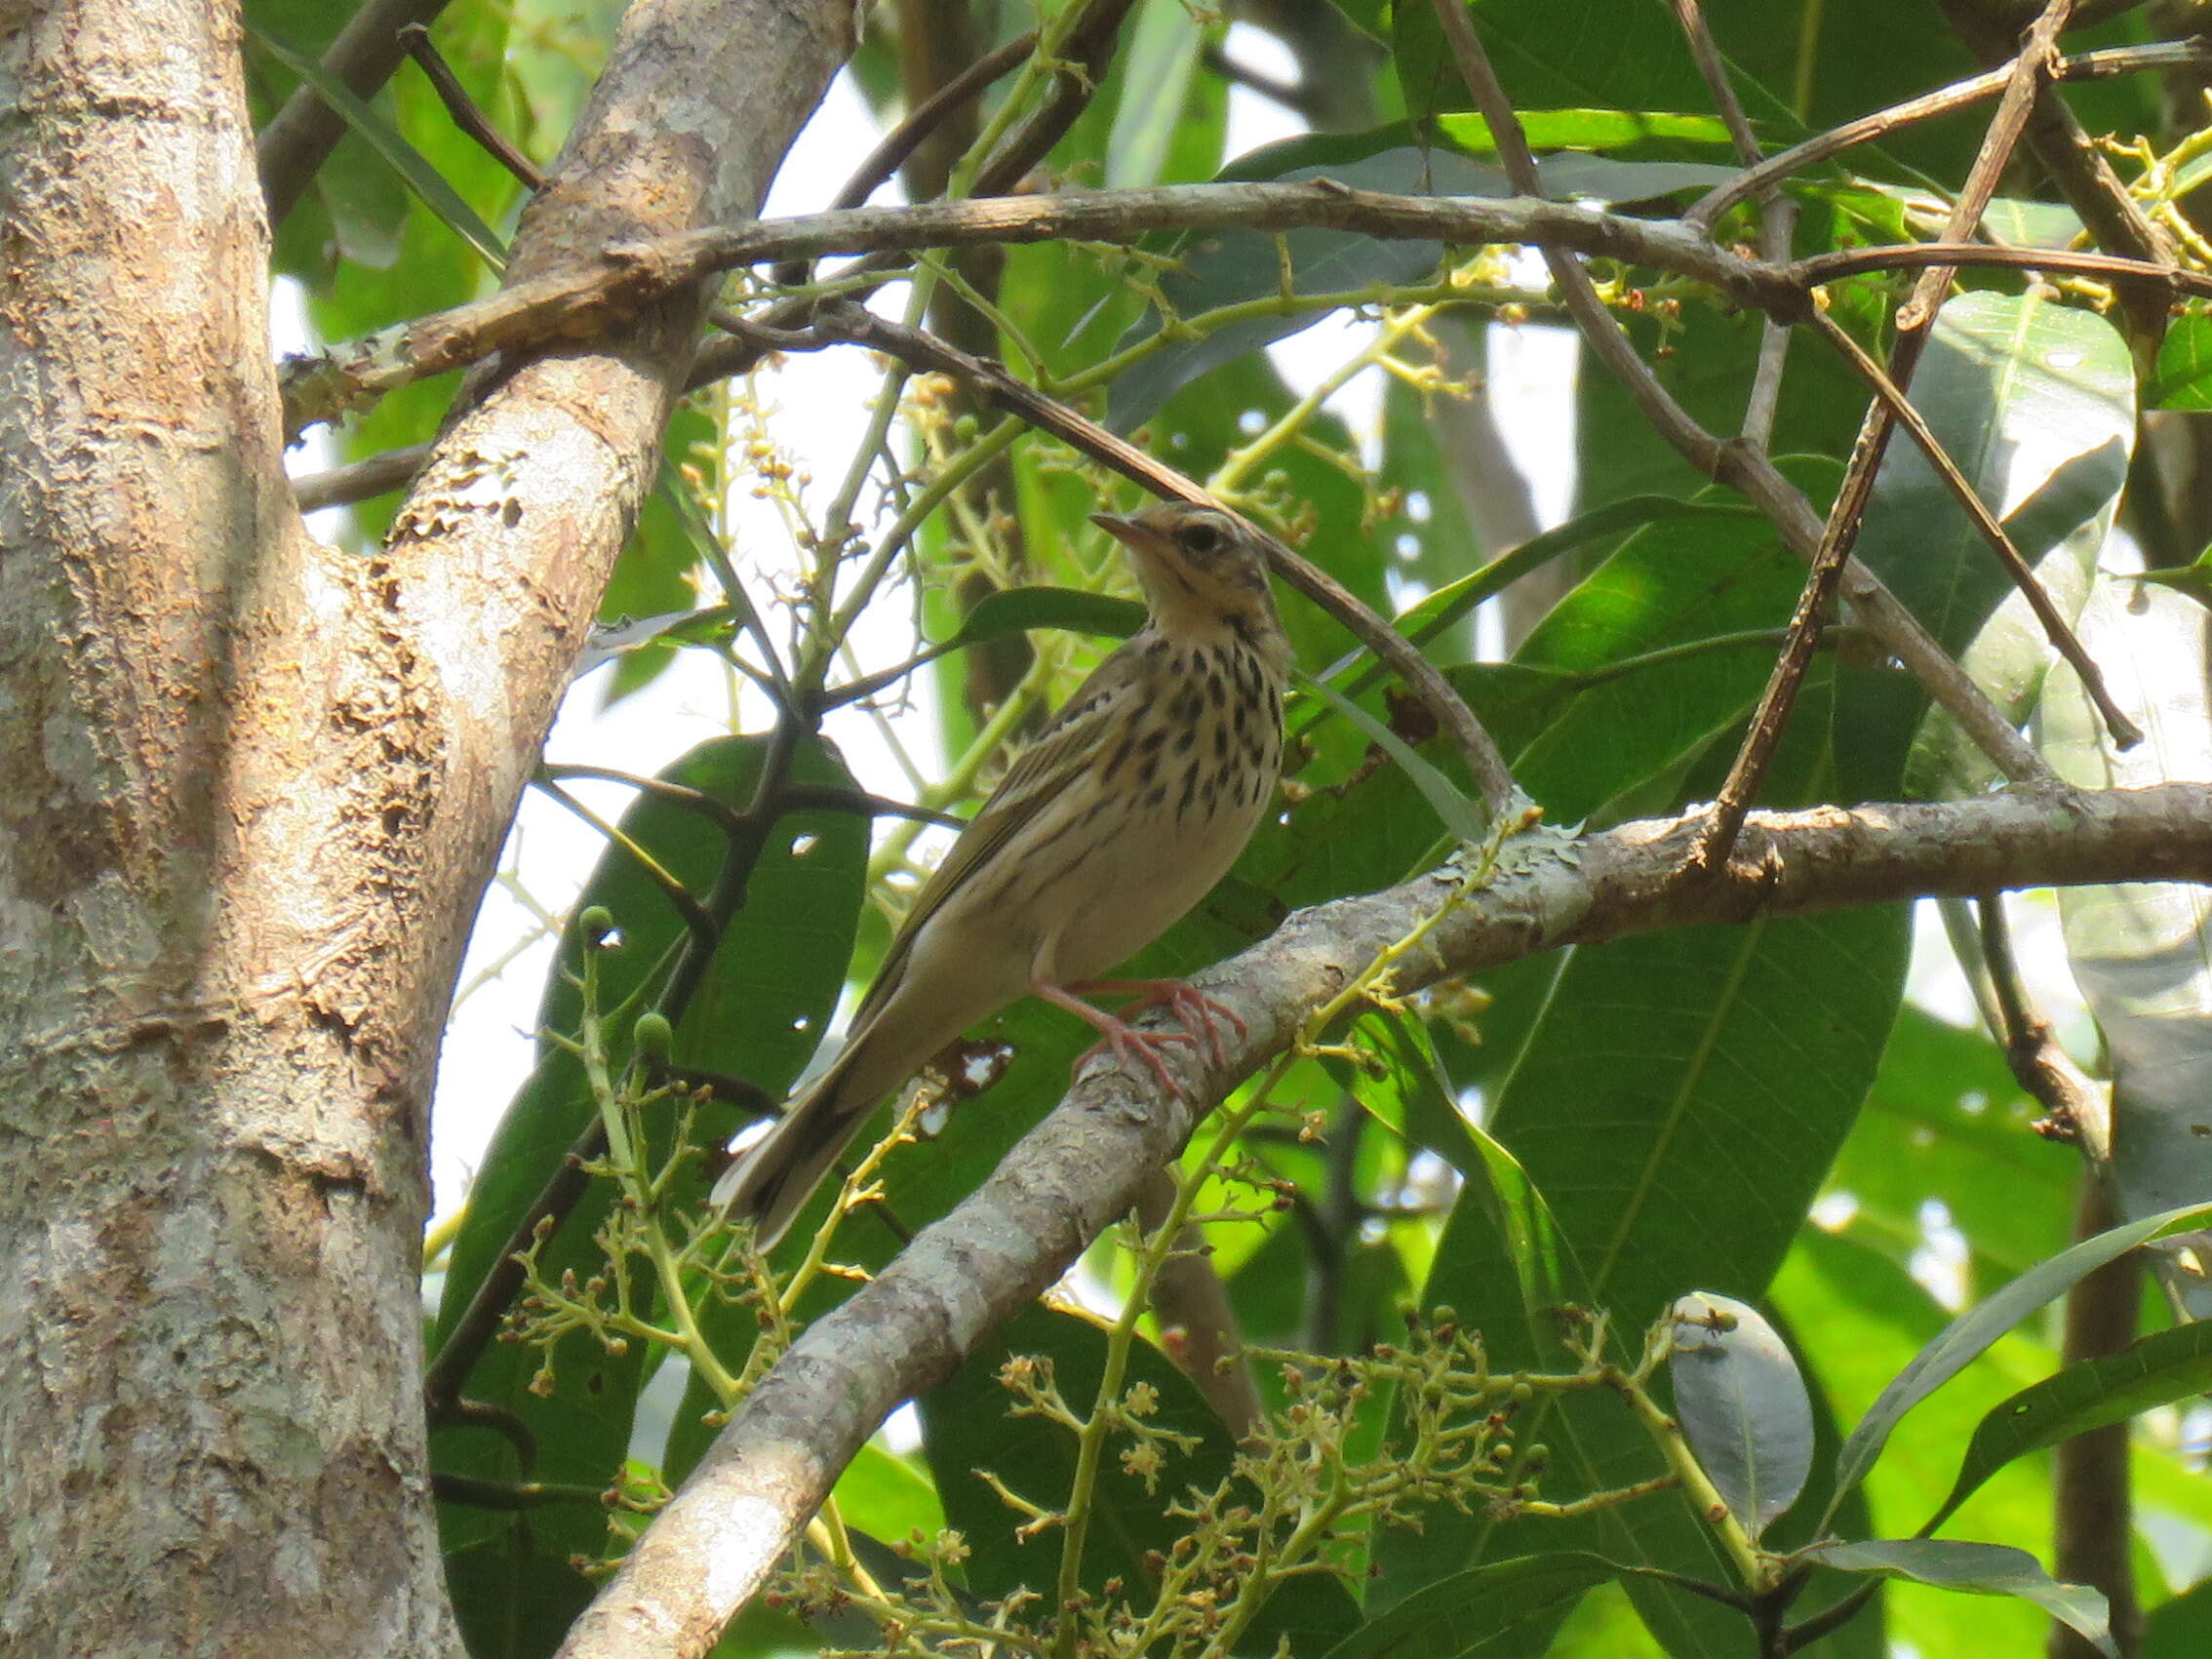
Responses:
[1202,569]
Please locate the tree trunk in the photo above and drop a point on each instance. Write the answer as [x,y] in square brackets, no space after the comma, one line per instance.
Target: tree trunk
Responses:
[254,788]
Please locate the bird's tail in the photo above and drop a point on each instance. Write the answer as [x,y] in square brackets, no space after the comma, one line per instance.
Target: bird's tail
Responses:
[773,1179]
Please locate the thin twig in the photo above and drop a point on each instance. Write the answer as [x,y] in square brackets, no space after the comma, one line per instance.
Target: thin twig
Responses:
[2069,1096]
[462,110]
[358,481]
[2114,218]
[1501,796]
[1198,1325]
[2166,56]
[1914,323]
[1778,220]
[1817,270]
[910,135]
[2056,628]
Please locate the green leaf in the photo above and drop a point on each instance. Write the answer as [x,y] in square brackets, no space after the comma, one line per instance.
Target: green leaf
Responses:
[1423,621]
[2180,1629]
[1688,576]
[1016,610]
[888,1495]
[2182,380]
[2016,389]
[1743,1405]
[1162,59]
[428,184]
[1966,1337]
[1587,129]
[1645,1107]
[1624,55]
[1988,1569]
[1482,1613]
[1459,814]
[2159,1369]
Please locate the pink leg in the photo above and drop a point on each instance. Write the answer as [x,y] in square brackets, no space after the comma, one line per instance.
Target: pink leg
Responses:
[1128,1044]
[1195,1008]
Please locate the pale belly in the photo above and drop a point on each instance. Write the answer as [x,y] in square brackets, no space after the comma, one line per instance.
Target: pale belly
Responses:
[1136,887]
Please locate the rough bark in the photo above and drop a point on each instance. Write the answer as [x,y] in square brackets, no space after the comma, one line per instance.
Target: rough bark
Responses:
[212,1187]
[254,791]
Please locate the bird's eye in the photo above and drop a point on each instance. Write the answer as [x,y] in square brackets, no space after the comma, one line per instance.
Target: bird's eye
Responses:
[1201,538]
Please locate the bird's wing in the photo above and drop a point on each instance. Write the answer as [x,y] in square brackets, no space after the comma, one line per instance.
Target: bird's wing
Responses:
[1098,708]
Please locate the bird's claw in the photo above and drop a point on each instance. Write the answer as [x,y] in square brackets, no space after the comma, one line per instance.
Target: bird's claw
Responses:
[1197,1012]
[1132,1047]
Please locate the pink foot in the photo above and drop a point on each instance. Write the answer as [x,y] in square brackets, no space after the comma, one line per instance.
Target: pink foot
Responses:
[1123,1040]
[1193,1008]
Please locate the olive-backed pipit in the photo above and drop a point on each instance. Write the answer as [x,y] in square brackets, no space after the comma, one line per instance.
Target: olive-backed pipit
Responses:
[1131,804]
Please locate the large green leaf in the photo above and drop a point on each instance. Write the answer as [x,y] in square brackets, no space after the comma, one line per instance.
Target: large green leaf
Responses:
[1486,1611]
[1563,55]
[1987,1569]
[1648,1107]
[1675,581]
[2182,382]
[1161,55]
[2159,1370]
[2020,392]
[1969,1336]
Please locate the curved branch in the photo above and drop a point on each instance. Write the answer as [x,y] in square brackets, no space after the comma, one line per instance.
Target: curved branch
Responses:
[711,1549]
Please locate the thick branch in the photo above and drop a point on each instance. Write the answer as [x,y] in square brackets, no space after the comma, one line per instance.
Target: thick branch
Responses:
[711,1549]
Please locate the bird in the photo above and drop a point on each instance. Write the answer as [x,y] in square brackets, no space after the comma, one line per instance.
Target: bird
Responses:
[1134,801]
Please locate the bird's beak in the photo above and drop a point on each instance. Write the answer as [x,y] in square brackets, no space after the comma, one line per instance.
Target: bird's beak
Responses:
[1119,527]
